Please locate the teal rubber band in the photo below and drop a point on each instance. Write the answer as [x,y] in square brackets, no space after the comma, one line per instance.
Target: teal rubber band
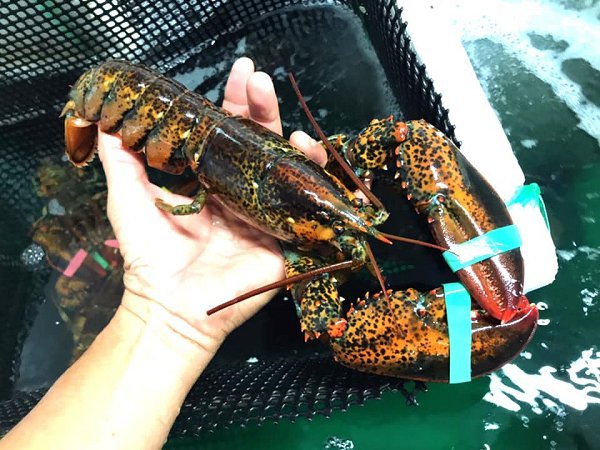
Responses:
[525,194]
[458,312]
[530,193]
[100,260]
[482,247]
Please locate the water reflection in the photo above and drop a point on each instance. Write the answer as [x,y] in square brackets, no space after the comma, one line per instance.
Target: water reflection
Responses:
[513,388]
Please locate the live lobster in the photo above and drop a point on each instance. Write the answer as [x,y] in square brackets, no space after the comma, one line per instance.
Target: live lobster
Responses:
[262,179]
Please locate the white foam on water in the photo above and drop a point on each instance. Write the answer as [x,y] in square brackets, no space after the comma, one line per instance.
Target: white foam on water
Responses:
[491,426]
[589,299]
[338,443]
[529,143]
[566,255]
[509,23]
[513,388]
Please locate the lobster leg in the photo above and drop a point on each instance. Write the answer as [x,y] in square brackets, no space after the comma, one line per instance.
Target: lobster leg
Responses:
[458,202]
[184,210]
[317,301]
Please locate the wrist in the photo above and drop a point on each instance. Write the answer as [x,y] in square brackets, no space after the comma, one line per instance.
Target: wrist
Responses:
[184,336]
[135,376]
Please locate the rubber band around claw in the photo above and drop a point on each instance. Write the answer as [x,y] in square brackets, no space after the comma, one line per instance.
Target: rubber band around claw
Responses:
[482,247]
[496,241]
[458,300]
[458,313]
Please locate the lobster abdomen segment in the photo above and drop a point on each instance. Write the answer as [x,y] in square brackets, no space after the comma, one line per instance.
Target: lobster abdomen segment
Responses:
[153,113]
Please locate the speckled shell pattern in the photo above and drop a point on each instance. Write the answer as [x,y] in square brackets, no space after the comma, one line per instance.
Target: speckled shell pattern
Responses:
[460,205]
[407,336]
[268,183]
[254,172]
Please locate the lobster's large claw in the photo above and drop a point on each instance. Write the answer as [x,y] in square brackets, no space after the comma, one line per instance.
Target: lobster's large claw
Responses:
[461,205]
[412,342]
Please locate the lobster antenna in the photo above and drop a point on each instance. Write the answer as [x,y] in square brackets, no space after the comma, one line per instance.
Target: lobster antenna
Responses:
[377,271]
[393,237]
[379,276]
[365,190]
[285,282]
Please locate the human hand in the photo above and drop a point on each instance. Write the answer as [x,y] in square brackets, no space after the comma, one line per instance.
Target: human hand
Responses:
[178,267]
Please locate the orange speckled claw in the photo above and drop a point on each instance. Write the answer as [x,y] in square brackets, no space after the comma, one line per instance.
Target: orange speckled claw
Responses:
[372,344]
[460,205]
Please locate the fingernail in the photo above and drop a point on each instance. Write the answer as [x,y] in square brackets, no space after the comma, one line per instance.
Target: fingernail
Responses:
[303,140]
[244,63]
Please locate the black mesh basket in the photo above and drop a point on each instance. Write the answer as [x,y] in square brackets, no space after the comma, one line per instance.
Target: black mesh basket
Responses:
[348,55]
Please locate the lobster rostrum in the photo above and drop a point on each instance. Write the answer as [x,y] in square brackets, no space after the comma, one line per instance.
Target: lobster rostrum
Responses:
[262,179]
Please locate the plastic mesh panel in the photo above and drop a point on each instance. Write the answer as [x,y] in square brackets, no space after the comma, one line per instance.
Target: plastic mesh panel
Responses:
[244,393]
[43,48]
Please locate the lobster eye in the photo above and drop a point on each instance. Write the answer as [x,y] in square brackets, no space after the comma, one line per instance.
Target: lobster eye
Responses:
[338,228]
[357,202]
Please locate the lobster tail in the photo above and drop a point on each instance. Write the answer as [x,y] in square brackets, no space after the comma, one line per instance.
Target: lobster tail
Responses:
[83,110]
[80,140]
[154,114]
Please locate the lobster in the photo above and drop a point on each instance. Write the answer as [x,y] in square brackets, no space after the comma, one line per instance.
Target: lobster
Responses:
[322,224]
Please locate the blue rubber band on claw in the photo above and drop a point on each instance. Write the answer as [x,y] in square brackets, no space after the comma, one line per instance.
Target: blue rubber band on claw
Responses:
[530,193]
[458,313]
[482,247]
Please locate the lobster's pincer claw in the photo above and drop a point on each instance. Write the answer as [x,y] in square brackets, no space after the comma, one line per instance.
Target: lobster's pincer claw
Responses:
[509,314]
[462,208]
[413,341]
[494,345]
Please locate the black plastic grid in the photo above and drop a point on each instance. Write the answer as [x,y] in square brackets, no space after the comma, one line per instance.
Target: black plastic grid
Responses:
[45,45]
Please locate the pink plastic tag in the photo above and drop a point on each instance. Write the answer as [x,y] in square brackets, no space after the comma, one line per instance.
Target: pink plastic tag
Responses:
[75,263]
[112,243]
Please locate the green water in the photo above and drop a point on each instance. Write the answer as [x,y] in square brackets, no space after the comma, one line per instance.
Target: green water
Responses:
[548,398]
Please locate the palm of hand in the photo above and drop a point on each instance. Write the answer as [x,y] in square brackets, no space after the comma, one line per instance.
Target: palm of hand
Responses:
[192,263]
[185,265]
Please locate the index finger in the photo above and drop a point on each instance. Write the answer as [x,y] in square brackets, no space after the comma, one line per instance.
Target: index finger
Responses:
[235,99]
[262,102]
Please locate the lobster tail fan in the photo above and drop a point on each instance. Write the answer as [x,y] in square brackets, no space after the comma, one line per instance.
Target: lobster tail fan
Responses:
[80,140]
